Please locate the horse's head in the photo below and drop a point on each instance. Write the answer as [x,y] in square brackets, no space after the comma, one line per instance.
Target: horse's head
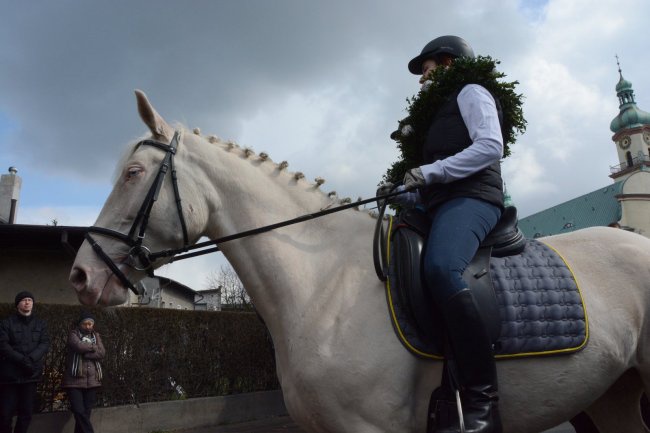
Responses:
[142,215]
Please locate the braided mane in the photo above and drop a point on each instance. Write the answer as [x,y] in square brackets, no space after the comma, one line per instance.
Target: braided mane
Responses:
[263,157]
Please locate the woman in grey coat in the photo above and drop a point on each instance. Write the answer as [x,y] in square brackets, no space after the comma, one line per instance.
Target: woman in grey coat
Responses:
[83,372]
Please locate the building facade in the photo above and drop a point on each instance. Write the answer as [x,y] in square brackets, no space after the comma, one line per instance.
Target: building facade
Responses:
[208,300]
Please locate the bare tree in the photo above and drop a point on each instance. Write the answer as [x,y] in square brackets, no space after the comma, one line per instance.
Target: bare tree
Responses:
[233,292]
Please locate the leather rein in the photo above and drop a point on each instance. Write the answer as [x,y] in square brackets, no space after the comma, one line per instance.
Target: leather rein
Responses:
[141,258]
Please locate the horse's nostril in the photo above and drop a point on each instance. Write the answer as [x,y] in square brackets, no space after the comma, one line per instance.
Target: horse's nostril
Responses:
[78,278]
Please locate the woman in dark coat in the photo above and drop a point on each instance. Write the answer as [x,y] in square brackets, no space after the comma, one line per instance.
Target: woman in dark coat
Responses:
[83,372]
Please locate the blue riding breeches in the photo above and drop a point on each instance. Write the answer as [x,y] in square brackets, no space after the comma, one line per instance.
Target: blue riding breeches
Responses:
[458,227]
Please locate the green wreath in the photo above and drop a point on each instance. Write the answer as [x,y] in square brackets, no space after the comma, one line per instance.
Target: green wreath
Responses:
[443,82]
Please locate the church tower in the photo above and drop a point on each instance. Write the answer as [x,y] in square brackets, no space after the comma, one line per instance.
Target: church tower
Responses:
[626,202]
[631,130]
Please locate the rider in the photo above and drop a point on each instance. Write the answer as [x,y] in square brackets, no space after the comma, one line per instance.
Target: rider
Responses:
[460,186]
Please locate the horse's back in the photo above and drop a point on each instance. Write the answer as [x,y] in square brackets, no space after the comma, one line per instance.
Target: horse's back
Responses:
[611,247]
[612,269]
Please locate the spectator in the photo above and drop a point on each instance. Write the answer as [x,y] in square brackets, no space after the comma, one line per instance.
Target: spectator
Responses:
[24,342]
[83,372]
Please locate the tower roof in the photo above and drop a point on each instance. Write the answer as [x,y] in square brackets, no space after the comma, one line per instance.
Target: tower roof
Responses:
[507,199]
[629,116]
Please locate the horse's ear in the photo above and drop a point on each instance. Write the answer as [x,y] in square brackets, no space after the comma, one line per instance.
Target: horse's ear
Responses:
[157,125]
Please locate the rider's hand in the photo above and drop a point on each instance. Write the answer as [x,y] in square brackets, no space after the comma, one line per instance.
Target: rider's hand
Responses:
[404,199]
[385,188]
[414,178]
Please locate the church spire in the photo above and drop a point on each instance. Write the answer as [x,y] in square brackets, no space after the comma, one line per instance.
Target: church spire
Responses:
[631,130]
[507,199]
[629,116]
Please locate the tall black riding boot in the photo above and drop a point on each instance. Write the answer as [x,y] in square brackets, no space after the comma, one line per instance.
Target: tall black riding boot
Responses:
[475,368]
[442,413]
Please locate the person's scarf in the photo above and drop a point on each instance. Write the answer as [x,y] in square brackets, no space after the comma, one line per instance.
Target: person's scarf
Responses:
[77,359]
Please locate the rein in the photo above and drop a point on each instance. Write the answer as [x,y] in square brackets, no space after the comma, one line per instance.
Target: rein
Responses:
[142,255]
[263,229]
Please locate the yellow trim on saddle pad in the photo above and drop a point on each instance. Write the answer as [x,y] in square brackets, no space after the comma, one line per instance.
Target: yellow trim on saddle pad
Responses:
[393,315]
[405,341]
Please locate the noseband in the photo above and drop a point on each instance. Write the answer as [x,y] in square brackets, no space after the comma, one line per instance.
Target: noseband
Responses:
[139,257]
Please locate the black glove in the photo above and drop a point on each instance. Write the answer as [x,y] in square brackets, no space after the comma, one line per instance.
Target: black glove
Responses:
[414,178]
[28,365]
[385,188]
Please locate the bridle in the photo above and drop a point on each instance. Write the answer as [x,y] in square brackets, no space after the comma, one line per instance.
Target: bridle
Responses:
[141,258]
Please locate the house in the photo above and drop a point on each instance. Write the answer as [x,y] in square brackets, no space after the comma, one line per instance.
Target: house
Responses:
[208,300]
[161,292]
[39,258]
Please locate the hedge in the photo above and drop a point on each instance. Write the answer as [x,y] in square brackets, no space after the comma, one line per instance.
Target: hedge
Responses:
[159,354]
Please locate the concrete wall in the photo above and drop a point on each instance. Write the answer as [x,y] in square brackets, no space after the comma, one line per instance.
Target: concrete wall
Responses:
[175,300]
[161,292]
[43,274]
[170,415]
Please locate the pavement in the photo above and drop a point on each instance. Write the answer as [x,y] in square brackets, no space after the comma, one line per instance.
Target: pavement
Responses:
[286,425]
[282,424]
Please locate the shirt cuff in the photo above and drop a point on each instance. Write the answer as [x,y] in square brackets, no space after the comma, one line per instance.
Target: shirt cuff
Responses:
[433,173]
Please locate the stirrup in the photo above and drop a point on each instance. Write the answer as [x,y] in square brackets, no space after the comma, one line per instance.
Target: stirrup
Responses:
[443,411]
[459,407]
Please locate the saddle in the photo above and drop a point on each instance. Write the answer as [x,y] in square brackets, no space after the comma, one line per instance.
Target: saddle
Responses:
[510,304]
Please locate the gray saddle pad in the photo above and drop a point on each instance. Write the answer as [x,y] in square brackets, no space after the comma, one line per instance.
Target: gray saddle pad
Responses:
[540,307]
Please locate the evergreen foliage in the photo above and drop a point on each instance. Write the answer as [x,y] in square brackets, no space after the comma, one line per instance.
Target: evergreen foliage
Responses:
[443,83]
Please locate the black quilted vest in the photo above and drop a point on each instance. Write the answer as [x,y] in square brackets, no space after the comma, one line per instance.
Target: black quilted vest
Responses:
[447,136]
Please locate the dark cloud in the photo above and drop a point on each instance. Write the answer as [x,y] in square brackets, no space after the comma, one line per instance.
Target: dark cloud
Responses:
[69,69]
[320,83]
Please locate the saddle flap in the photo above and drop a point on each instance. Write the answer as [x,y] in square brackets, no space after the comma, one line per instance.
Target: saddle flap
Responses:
[477,276]
[414,299]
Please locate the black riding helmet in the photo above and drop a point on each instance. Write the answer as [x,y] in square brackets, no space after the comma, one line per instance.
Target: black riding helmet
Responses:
[452,45]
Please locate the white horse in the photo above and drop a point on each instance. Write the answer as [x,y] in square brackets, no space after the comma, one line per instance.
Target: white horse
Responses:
[340,365]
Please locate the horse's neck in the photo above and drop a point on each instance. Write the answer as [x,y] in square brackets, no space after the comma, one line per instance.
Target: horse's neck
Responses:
[284,270]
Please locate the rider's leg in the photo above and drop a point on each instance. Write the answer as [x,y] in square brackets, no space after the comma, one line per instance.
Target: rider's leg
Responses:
[458,227]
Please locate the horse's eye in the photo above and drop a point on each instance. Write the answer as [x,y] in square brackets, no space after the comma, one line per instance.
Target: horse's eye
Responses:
[132,173]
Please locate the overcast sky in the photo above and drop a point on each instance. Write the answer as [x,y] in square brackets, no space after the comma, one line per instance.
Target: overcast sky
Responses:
[320,84]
